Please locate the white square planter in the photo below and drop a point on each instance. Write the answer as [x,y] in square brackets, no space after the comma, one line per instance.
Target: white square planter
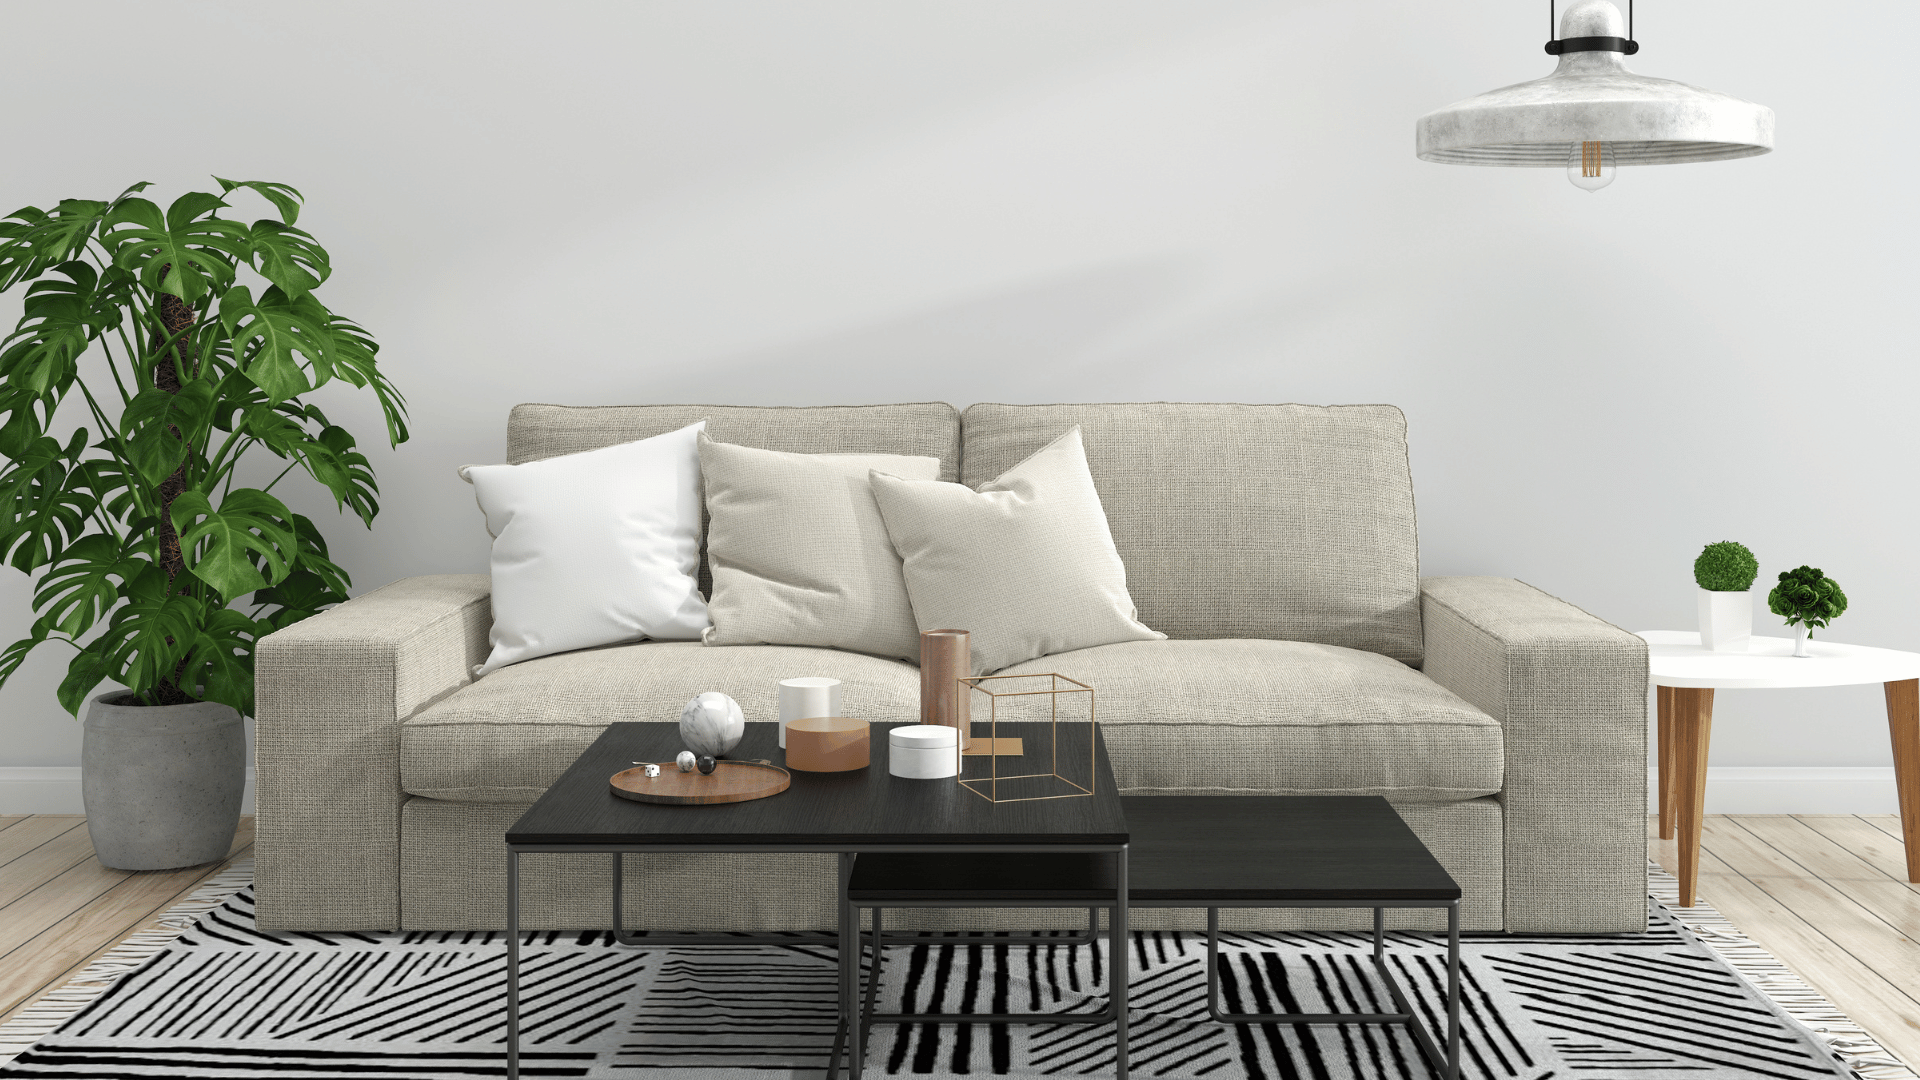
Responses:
[1726,620]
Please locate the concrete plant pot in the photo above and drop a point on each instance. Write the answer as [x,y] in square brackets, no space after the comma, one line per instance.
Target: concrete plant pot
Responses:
[162,784]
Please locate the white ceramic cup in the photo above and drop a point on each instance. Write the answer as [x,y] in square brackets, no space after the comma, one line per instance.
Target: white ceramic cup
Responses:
[803,699]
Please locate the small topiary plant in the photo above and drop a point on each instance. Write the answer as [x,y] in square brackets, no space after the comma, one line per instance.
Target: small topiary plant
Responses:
[1807,596]
[1726,567]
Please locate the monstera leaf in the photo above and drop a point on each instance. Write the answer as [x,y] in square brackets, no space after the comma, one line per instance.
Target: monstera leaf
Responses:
[271,336]
[353,360]
[303,594]
[185,252]
[143,643]
[16,653]
[220,546]
[219,661]
[160,429]
[62,319]
[288,257]
[32,240]
[284,199]
[79,589]
[45,510]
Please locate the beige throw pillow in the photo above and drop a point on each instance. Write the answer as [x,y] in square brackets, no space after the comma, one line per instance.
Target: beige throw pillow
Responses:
[799,554]
[1025,565]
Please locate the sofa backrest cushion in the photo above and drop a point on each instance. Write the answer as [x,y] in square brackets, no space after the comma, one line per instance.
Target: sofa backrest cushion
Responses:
[1291,522]
[930,429]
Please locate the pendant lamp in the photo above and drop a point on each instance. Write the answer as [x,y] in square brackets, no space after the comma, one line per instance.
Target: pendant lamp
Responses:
[1592,115]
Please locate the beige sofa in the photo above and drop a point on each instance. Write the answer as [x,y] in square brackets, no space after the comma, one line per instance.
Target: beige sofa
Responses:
[1273,544]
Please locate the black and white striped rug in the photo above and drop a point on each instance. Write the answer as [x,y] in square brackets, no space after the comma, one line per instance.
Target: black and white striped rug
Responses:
[225,999]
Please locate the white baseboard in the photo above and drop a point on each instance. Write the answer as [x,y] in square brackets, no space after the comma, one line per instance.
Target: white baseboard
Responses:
[1794,790]
[56,790]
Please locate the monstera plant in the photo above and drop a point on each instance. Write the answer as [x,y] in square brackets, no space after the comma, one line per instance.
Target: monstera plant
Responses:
[161,349]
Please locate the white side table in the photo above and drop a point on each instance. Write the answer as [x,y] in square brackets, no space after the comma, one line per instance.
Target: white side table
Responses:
[1686,675]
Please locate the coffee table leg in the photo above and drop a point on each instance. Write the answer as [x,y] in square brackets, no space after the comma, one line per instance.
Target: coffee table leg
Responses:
[1663,779]
[1453,990]
[850,968]
[1903,722]
[513,965]
[1692,727]
[1122,947]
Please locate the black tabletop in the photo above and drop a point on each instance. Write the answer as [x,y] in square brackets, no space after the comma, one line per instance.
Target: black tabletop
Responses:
[1248,847]
[1195,851]
[823,811]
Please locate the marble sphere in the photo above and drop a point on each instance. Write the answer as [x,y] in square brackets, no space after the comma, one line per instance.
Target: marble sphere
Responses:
[685,761]
[711,724]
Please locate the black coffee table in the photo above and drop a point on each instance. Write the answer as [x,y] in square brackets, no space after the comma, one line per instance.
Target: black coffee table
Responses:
[867,811]
[1210,851]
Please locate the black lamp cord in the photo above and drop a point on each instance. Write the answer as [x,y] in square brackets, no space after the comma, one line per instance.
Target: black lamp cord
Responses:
[1556,46]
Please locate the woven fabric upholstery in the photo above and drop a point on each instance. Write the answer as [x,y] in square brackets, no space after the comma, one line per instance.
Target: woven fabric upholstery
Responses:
[1257,717]
[1243,521]
[1571,693]
[506,737]
[332,691]
[930,429]
[454,878]
[926,430]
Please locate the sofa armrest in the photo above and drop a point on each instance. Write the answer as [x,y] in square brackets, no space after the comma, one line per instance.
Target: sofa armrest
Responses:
[1570,692]
[330,693]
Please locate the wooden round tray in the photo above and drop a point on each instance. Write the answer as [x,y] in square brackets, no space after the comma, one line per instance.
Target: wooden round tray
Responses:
[730,781]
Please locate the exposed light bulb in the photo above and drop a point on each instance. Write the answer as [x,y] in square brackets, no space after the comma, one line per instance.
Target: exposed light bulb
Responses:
[1590,165]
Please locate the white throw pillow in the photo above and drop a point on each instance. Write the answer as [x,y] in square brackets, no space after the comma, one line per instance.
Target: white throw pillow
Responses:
[799,553]
[594,548]
[1026,565]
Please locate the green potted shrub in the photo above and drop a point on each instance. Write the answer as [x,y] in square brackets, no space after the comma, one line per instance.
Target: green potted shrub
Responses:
[153,563]
[1725,573]
[1806,598]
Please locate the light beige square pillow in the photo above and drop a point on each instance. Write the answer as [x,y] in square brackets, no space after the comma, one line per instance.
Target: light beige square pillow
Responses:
[1025,565]
[799,553]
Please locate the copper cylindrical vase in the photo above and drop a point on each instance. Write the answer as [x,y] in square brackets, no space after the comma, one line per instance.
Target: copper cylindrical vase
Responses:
[946,657]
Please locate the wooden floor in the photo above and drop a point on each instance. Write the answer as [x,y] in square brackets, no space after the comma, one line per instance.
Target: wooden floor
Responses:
[1827,895]
[59,908]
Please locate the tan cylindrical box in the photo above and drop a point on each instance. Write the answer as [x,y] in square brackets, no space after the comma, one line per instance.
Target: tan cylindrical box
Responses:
[828,744]
[946,656]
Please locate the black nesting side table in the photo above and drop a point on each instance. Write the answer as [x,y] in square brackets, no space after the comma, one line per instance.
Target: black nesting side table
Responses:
[1212,852]
[865,812]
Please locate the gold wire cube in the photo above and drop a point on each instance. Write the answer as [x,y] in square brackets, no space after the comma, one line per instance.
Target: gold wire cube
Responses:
[1063,704]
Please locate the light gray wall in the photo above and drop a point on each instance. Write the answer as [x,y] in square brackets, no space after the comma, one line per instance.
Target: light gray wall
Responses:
[780,202]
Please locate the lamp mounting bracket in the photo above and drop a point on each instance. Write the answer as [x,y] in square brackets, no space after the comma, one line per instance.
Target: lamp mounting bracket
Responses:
[1557,46]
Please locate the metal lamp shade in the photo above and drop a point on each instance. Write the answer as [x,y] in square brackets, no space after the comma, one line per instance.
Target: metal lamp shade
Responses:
[1592,97]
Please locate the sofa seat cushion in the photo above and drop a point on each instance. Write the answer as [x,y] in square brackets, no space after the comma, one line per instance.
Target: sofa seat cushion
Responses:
[1242,716]
[506,737]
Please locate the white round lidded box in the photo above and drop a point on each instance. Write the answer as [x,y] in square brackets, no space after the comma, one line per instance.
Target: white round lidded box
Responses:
[923,752]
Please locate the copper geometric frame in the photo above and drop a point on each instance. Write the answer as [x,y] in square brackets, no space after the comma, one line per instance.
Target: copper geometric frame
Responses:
[1054,690]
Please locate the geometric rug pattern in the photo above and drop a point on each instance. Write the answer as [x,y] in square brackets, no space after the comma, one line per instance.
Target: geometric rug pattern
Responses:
[227,999]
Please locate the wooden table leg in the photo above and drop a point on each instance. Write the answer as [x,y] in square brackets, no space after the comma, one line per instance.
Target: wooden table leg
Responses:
[1903,721]
[1663,777]
[1692,727]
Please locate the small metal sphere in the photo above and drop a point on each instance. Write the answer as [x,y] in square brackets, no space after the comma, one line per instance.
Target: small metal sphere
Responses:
[707,764]
[685,761]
